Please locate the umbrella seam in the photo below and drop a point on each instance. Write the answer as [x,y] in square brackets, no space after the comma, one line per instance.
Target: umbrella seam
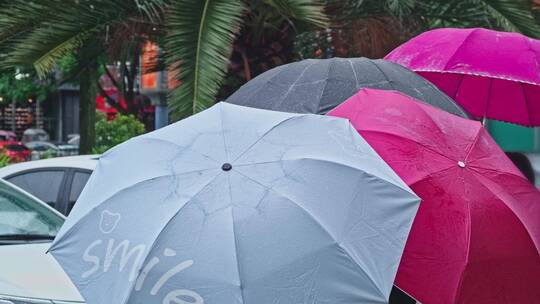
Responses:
[469,232]
[259,89]
[462,76]
[70,230]
[430,175]
[149,138]
[160,233]
[314,219]
[223,133]
[501,201]
[469,34]
[382,73]
[406,188]
[294,83]
[526,103]
[324,87]
[473,144]
[354,72]
[235,241]
[293,116]
[476,167]
[488,101]
[458,109]
[405,138]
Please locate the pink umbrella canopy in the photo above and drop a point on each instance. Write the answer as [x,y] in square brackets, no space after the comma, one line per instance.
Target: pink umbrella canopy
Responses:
[476,236]
[491,74]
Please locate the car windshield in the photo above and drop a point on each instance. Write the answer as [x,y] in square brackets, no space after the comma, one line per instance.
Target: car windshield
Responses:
[23,218]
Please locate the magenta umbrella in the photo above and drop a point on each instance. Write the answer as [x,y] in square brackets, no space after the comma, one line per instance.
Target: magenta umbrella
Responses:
[491,74]
[476,236]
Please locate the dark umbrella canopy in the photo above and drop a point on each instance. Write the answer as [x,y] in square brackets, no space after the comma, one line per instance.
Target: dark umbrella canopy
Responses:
[319,85]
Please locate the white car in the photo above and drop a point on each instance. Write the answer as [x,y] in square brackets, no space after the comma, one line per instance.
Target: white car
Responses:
[65,178]
[27,274]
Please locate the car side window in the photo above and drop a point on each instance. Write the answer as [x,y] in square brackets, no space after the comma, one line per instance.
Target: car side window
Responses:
[45,185]
[77,185]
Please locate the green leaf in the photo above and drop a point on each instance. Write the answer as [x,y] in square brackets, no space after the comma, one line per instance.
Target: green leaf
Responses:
[302,10]
[511,15]
[199,43]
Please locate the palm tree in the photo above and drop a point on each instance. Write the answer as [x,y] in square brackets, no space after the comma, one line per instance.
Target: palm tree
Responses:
[39,33]
[199,39]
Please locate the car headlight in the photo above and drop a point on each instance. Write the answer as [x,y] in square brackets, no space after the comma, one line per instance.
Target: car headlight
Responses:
[20,300]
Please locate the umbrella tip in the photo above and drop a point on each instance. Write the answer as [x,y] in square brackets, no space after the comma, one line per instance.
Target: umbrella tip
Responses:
[226,167]
[461,164]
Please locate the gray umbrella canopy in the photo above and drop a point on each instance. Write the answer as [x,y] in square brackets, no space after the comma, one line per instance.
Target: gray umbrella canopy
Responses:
[319,85]
[238,205]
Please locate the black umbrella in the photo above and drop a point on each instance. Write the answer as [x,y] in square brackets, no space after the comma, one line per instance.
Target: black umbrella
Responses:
[319,85]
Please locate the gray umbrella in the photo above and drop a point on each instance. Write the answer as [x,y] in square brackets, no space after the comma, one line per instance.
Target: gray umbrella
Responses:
[236,205]
[319,85]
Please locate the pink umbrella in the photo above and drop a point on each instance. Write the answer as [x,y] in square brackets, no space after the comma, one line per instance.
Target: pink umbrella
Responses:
[476,236]
[491,74]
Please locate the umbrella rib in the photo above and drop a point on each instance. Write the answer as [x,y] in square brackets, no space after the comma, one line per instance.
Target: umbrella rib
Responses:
[475,168]
[382,73]
[431,174]
[457,48]
[161,233]
[488,98]
[294,83]
[331,162]
[314,219]
[469,232]
[70,230]
[235,243]
[223,134]
[406,138]
[258,90]
[293,116]
[471,147]
[526,103]
[354,72]
[458,85]
[481,178]
[176,145]
[317,110]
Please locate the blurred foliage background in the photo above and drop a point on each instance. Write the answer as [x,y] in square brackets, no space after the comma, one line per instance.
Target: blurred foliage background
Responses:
[213,47]
[110,133]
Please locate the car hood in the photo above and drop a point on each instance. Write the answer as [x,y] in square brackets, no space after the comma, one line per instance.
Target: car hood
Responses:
[27,271]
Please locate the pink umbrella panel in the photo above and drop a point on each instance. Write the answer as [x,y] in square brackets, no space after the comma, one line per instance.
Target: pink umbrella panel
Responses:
[491,74]
[476,236]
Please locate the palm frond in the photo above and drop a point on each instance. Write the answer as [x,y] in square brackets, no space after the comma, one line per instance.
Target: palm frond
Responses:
[508,15]
[152,9]
[199,38]
[400,7]
[302,10]
[511,15]
[40,32]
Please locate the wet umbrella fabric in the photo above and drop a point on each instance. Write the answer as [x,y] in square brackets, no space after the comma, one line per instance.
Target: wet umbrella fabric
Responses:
[319,85]
[239,205]
[476,236]
[491,74]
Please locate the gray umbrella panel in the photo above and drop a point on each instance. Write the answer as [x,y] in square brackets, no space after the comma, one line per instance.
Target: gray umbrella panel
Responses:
[307,212]
[319,85]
